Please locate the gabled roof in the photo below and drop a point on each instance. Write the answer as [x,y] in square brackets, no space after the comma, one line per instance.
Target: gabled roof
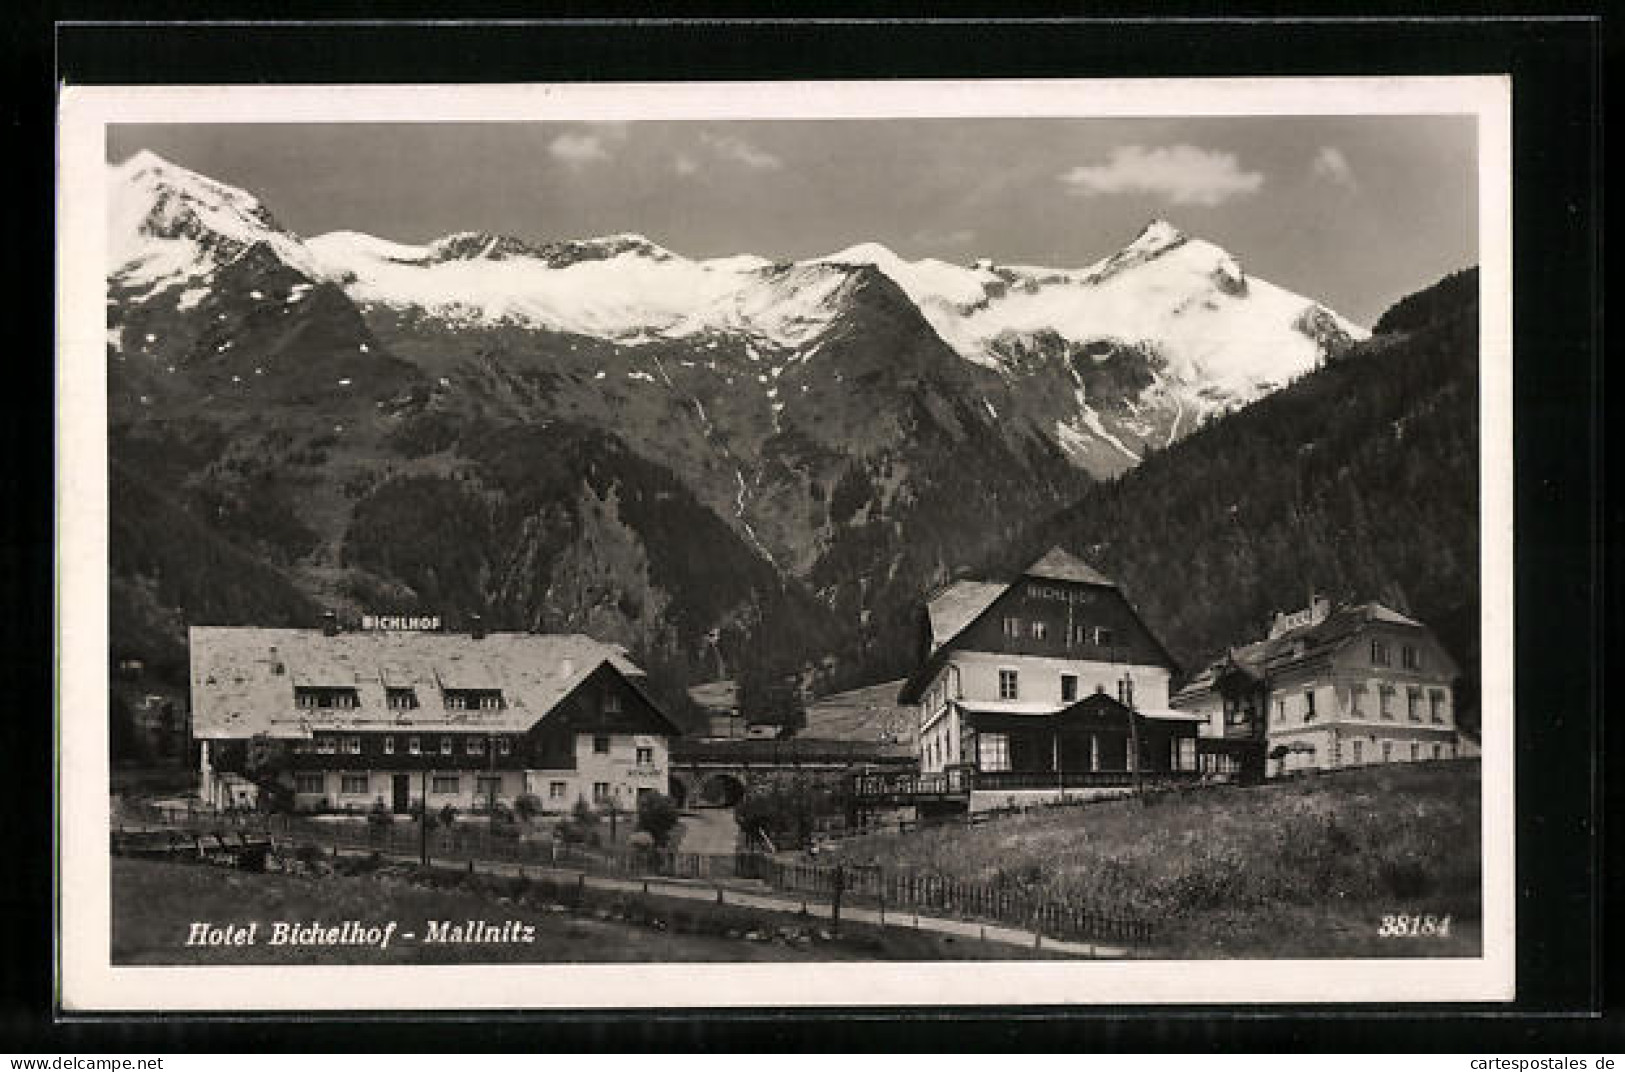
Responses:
[1299,647]
[956,606]
[1058,565]
[952,610]
[870,714]
[243,678]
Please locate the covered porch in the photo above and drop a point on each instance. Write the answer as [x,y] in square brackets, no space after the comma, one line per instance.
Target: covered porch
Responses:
[1095,742]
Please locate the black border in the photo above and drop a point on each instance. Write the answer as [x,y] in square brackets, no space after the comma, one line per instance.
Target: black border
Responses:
[1560,515]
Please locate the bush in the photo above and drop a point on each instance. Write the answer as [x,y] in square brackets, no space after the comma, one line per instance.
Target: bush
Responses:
[528,806]
[657,816]
[448,816]
[380,817]
[642,842]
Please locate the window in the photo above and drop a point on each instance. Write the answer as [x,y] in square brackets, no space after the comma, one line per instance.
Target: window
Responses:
[612,703]
[555,790]
[487,787]
[352,746]
[414,745]
[1104,637]
[400,699]
[1309,705]
[1012,628]
[446,783]
[1280,710]
[456,701]
[475,746]
[1385,701]
[993,751]
[389,746]
[1069,687]
[1009,685]
[504,746]
[490,701]
[1410,658]
[600,792]
[1416,751]
[1039,630]
[1357,701]
[1436,706]
[1387,751]
[646,756]
[353,785]
[1080,634]
[309,696]
[600,745]
[1379,653]
[1413,704]
[1438,751]
[327,745]
[1184,753]
[307,783]
[1359,751]
[445,746]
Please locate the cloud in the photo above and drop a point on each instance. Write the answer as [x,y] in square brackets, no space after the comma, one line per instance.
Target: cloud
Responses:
[593,143]
[685,164]
[578,150]
[1331,165]
[739,151]
[1184,174]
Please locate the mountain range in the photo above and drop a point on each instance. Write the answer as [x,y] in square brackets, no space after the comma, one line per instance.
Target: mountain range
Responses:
[718,462]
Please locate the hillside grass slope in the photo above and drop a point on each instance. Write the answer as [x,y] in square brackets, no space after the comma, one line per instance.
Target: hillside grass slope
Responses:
[1305,868]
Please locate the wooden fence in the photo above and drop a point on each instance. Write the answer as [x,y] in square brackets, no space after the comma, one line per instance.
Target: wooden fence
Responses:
[899,890]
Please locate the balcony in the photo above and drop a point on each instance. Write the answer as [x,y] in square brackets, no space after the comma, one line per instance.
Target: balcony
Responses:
[958,783]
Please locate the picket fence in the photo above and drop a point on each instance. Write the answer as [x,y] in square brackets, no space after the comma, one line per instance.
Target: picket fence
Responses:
[901,890]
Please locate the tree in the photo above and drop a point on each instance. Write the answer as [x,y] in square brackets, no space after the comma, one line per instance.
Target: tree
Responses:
[787,809]
[657,815]
[528,806]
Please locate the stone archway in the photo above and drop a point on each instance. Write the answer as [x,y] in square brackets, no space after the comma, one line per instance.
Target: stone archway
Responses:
[677,789]
[721,791]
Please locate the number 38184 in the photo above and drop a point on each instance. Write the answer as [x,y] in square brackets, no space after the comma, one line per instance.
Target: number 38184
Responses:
[1407,926]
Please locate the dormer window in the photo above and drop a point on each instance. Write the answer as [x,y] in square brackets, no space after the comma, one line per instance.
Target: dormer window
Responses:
[401,699]
[474,700]
[323,697]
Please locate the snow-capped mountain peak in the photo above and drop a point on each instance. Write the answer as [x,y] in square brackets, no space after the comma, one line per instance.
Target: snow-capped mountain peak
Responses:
[168,224]
[1131,350]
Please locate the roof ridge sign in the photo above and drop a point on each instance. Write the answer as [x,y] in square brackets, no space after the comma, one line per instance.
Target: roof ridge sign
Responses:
[400,623]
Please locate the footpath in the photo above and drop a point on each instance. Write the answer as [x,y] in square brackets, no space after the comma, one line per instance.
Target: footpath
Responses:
[734,892]
[750,893]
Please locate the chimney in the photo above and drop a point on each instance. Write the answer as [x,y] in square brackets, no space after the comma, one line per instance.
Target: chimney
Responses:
[476,627]
[330,623]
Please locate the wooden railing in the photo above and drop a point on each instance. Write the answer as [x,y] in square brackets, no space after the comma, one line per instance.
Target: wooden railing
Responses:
[146,829]
[961,781]
[788,752]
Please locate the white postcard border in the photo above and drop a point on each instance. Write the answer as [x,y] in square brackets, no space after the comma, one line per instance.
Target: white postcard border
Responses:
[89,982]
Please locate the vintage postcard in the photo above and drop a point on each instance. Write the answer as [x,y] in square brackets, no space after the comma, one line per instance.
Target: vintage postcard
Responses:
[803,544]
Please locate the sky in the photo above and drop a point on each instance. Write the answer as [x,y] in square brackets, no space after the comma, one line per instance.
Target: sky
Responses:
[1355,212]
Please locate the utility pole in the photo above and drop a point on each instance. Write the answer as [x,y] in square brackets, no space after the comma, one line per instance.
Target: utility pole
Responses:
[423,818]
[1133,734]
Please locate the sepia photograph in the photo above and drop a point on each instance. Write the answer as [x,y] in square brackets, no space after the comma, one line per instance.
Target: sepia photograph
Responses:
[794,542]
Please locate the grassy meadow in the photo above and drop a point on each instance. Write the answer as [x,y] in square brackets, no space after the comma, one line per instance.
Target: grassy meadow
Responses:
[1306,868]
